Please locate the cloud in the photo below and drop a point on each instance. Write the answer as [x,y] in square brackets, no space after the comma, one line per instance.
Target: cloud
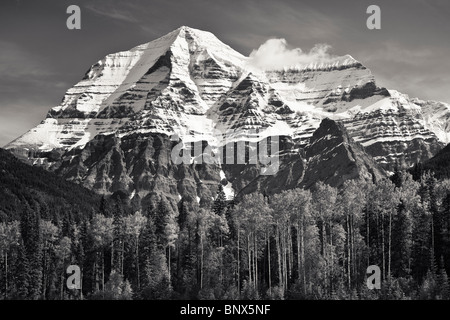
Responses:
[276,54]
[112,12]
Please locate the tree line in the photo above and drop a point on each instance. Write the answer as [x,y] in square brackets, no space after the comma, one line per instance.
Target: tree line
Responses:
[298,244]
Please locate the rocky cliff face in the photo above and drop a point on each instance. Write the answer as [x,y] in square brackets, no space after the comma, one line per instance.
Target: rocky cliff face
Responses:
[141,166]
[112,130]
[330,156]
[334,157]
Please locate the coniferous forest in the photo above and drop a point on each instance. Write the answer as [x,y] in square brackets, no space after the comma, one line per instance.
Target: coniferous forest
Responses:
[298,244]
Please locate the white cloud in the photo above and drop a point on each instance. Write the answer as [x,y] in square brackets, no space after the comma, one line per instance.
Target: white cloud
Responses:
[112,12]
[276,54]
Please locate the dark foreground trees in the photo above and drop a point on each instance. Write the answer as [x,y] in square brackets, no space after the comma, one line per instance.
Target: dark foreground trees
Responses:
[298,244]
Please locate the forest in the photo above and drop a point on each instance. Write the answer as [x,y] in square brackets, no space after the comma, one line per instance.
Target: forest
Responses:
[298,244]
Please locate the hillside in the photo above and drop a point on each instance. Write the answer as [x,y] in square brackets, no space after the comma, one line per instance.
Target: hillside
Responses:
[22,185]
[439,165]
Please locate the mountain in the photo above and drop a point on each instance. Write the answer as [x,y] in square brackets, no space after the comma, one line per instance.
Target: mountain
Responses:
[115,129]
[439,165]
[140,166]
[331,156]
[22,185]
[334,157]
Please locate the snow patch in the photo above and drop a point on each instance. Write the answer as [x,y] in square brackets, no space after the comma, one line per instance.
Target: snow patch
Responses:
[228,188]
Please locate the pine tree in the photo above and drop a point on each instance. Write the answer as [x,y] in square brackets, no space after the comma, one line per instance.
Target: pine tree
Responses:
[423,230]
[446,229]
[22,273]
[103,208]
[32,239]
[396,178]
[161,222]
[153,267]
[147,244]
[220,202]
[67,224]
[49,236]
[442,282]
[400,242]
[182,214]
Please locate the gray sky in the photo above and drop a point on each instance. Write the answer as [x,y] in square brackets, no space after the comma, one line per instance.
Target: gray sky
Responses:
[40,58]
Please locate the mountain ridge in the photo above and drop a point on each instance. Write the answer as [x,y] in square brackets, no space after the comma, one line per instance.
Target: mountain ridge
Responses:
[188,81]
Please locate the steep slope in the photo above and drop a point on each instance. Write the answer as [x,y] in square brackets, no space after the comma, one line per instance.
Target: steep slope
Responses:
[334,157]
[394,130]
[393,127]
[140,166]
[157,86]
[23,185]
[336,86]
[331,156]
[439,165]
[191,84]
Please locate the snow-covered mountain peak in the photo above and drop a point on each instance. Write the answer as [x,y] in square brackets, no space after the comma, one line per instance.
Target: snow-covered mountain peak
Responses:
[188,80]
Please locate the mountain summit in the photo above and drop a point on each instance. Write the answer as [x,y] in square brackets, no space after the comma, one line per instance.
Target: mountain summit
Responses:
[190,83]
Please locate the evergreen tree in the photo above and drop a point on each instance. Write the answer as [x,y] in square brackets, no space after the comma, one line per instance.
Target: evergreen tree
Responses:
[104,208]
[147,244]
[396,178]
[32,239]
[401,249]
[446,229]
[220,202]
[162,216]
[182,214]
[442,282]
[22,273]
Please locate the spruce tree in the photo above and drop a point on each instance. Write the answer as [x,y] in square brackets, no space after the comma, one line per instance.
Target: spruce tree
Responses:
[104,207]
[443,284]
[182,214]
[401,250]
[147,245]
[220,202]
[161,222]
[32,239]
[396,178]
[22,274]
[445,214]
